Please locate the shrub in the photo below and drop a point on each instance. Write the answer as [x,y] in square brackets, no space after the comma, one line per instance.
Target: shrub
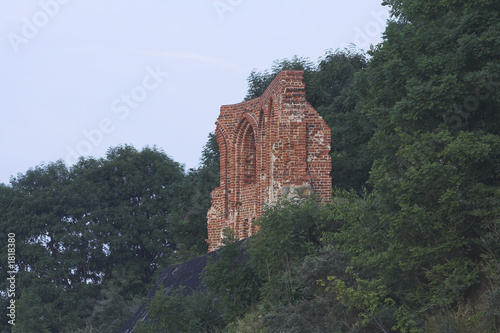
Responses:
[231,278]
[174,312]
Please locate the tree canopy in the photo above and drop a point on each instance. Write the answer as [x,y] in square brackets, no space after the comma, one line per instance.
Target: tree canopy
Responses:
[91,238]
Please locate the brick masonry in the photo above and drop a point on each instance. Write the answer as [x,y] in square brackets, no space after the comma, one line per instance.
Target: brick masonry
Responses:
[269,146]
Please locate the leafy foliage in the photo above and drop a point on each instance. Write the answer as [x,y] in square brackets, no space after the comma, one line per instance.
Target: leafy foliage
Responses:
[333,93]
[422,116]
[231,278]
[305,316]
[173,312]
[436,177]
[290,230]
[190,226]
[90,238]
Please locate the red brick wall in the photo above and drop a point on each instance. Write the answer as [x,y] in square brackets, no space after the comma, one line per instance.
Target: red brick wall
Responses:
[269,146]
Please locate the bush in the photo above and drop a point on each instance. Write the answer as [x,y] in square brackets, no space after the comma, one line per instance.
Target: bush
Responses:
[306,316]
[174,312]
[231,278]
[491,321]
[290,230]
[250,323]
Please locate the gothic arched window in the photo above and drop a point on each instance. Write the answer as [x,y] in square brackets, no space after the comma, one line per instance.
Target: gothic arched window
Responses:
[249,155]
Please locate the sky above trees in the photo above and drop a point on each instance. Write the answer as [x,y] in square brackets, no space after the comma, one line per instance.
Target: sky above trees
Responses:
[78,77]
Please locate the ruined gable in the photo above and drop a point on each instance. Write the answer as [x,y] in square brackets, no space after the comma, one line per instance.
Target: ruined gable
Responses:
[269,146]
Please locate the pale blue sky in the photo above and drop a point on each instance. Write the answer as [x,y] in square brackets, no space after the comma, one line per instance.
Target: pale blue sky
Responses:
[80,76]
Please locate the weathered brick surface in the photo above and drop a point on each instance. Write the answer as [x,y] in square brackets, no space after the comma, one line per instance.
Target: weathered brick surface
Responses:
[269,146]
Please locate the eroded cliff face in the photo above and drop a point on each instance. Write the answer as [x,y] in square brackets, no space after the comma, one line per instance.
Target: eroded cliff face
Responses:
[269,146]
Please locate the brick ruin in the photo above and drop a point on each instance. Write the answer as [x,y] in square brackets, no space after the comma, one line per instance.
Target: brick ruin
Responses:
[273,145]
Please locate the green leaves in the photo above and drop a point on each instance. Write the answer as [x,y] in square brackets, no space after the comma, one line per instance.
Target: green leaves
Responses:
[231,278]
[436,175]
[290,230]
[171,311]
[97,233]
[190,223]
[77,227]
[368,298]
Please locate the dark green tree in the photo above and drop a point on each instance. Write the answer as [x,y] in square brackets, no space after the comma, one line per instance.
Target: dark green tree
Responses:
[191,223]
[431,89]
[172,311]
[231,278]
[333,93]
[290,230]
[126,201]
[90,238]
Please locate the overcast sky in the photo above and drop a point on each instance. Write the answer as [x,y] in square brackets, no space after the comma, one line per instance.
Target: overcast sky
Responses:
[80,76]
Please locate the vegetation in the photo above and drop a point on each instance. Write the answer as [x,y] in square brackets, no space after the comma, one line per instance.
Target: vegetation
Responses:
[91,239]
[409,242]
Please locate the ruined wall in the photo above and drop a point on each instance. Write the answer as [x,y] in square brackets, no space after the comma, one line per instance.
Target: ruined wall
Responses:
[269,146]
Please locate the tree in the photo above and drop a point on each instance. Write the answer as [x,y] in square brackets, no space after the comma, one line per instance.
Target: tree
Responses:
[172,311]
[431,89]
[191,223]
[290,230]
[91,235]
[333,93]
[231,278]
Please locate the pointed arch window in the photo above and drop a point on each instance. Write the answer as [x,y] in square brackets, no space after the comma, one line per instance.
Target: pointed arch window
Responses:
[249,156]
